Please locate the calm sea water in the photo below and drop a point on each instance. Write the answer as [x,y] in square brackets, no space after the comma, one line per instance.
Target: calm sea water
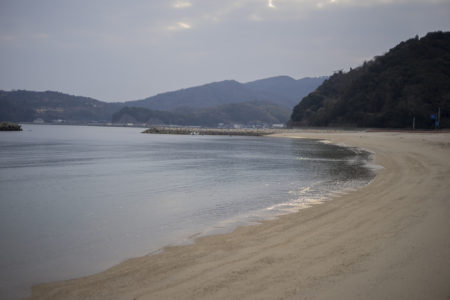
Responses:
[76,200]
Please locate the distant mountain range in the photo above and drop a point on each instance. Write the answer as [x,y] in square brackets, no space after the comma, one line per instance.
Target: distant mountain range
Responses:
[408,86]
[282,90]
[263,101]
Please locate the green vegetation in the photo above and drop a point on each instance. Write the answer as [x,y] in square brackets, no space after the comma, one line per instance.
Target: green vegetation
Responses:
[247,113]
[281,90]
[26,106]
[411,81]
[9,126]
[267,100]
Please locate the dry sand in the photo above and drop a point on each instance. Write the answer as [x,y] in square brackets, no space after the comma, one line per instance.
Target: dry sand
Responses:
[388,240]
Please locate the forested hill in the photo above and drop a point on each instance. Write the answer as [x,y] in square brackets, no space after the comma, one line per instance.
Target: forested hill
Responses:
[247,113]
[281,90]
[411,81]
[26,106]
[267,100]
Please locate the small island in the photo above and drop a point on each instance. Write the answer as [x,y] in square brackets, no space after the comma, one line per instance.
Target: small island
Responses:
[9,126]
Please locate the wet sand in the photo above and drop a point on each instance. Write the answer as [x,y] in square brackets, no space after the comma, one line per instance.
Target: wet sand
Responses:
[388,240]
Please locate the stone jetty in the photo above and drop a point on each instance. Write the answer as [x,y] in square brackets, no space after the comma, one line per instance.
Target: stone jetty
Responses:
[208,131]
[9,126]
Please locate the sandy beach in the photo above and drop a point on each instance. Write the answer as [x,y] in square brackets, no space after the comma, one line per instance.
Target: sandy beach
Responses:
[388,240]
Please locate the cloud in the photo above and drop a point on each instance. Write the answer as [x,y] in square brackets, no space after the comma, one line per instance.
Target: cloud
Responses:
[205,40]
[7,38]
[179,26]
[182,4]
[184,25]
[255,18]
[40,36]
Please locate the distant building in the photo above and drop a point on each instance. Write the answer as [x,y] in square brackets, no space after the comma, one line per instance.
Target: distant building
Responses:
[38,121]
[277,125]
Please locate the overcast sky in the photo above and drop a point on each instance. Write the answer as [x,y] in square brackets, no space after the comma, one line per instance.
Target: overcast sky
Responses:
[115,50]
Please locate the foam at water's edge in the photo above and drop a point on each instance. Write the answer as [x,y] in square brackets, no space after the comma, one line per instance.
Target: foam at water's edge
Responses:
[305,198]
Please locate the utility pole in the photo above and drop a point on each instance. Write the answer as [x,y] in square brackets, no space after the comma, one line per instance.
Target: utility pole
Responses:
[414,123]
[439,117]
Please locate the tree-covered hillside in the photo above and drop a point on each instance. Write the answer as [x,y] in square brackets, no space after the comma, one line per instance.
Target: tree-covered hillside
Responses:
[281,90]
[247,113]
[411,81]
[25,106]
[267,100]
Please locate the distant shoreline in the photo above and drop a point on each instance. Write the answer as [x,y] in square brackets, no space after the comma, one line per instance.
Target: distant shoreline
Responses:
[246,131]
[209,131]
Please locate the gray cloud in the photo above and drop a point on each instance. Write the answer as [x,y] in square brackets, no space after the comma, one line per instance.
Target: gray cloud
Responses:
[112,50]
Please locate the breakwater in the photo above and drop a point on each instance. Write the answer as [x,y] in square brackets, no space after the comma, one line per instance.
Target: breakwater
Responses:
[9,126]
[208,131]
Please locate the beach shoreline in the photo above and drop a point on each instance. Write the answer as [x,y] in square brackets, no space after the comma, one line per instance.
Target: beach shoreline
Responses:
[387,240]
